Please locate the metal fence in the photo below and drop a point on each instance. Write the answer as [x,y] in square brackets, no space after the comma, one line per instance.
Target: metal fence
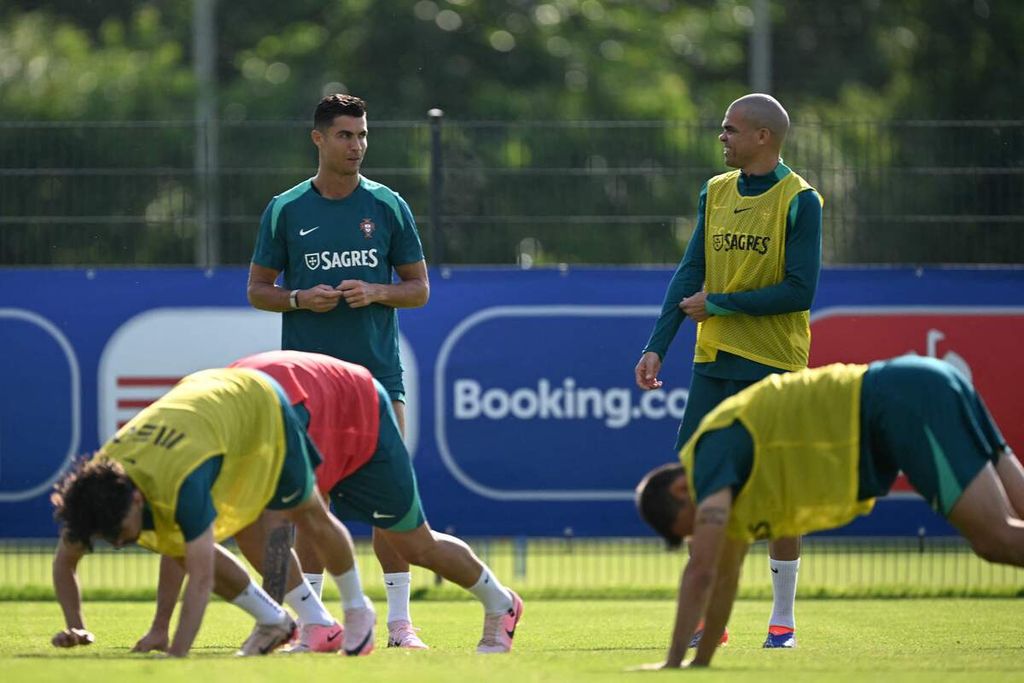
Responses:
[589,567]
[527,193]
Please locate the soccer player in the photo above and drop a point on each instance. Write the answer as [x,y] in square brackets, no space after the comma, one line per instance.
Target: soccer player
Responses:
[811,450]
[747,279]
[338,238]
[195,467]
[368,475]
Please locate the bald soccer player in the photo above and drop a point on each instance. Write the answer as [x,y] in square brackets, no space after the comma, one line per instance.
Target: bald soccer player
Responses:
[747,279]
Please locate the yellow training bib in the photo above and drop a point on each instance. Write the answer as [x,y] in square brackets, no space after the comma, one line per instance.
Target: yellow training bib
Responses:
[745,249]
[233,413]
[805,472]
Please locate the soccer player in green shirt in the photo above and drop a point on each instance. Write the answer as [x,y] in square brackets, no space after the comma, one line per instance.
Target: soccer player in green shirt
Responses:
[338,239]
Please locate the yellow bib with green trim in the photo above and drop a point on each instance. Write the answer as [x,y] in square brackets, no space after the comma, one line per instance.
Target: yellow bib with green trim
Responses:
[234,413]
[745,249]
[805,472]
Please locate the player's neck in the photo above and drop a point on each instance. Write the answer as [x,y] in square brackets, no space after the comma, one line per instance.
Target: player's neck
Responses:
[333,185]
[762,166]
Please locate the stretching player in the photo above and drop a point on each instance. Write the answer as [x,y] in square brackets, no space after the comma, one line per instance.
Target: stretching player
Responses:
[811,450]
[195,467]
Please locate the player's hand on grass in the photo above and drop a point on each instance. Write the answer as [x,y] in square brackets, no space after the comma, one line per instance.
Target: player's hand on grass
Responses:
[319,299]
[357,293]
[70,637]
[154,641]
[646,371]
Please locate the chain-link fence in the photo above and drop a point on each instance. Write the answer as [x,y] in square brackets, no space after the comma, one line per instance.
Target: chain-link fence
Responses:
[528,193]
[591,567]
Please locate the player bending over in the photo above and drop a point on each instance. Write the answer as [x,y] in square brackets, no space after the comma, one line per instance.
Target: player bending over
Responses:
[198,466]
[811,450]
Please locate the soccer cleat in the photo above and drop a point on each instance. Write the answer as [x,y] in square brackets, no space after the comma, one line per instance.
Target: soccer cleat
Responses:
[500,629]
[265,638]
[359,623]
[695,640]
[780,636]
[318,638]
[403,634]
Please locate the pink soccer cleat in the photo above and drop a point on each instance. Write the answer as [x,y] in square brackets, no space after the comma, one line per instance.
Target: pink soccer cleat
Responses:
[359,623]
[403,634]
[500,629]
[318,638]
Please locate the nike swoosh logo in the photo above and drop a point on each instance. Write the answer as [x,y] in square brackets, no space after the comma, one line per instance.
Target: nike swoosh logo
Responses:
[305,597]
[379,515]
[357,650]
[305,231]
[288,499]
[390,583]
[333,636]
[774,570]
[734,211]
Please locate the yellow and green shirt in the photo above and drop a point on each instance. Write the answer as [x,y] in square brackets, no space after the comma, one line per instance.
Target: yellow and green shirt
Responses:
[233,414]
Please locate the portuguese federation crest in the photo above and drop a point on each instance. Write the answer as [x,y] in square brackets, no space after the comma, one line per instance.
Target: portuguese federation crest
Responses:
[367,227]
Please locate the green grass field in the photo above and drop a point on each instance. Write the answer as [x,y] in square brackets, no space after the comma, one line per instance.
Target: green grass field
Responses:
[558,640]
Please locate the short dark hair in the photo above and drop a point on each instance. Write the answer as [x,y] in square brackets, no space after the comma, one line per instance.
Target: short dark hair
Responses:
[333,106]
[656,504]
[92,499]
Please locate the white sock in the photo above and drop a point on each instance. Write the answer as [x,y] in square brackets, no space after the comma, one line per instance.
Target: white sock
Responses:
[491,593]
[255,602]
[397,585]
[307,605]
[351,589]
[784,575]
[316,583]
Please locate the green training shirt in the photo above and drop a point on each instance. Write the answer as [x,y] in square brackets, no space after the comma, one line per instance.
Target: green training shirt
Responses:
[313,240]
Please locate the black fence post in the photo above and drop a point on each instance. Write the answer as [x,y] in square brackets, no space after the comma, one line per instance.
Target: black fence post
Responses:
[436,186]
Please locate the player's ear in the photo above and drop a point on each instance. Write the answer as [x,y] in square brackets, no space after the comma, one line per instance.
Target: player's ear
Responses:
[317,137]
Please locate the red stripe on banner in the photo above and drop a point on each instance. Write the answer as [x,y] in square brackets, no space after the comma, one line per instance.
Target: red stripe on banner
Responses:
[133,403]
[147,381]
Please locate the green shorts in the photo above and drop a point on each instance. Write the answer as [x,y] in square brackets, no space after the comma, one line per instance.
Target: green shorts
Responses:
[383,491]
[705,395]
[922,416]
[301,458]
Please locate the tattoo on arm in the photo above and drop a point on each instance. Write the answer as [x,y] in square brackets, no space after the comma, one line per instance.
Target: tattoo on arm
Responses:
[713,515]
[275,561]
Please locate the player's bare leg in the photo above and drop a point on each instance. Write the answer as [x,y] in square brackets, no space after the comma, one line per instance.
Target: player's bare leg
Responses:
[1011,475]
[453,559]
[332,544]
[319,631]
[986,518]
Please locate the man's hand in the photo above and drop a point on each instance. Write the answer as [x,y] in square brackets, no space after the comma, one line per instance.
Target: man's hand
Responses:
[319,299]
[647,371]
[72,637]
[694,307]
[156,640]
[357,293]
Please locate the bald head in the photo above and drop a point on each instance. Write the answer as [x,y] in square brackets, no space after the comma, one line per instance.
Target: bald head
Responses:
[763,111]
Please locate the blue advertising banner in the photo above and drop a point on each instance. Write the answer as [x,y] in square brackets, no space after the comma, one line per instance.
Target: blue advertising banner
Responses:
[522,415]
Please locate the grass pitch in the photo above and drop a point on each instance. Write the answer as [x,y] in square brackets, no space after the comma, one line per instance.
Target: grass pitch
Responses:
[558,640]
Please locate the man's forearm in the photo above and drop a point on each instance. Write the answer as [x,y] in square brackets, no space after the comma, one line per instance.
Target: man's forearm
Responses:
[193,606]
[65,586]
[167,590]
[694,588]
[404,294]
[269,297]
